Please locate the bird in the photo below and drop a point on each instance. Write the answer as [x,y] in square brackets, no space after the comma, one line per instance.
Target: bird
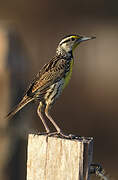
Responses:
[51,80]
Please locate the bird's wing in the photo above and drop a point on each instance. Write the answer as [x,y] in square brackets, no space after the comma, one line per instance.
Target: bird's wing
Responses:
[48,75]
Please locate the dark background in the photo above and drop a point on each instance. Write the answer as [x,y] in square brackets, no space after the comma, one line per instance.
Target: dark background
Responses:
[88,106]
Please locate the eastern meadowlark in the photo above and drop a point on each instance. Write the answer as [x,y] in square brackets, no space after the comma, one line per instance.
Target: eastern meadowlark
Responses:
[51,80]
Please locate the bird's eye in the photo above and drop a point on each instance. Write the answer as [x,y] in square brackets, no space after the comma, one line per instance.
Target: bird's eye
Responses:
[72,39]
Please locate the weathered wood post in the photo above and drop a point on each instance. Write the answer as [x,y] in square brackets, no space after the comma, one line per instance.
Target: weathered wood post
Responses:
[55,158]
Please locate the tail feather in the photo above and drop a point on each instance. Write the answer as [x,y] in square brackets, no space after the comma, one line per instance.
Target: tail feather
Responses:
[22,103]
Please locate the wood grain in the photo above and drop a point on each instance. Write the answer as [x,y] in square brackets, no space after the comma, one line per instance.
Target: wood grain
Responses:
[58,159]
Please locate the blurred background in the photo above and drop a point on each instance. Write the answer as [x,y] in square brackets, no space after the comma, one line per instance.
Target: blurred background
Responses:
[29,34]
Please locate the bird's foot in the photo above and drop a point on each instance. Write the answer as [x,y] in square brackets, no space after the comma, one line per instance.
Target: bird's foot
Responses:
[62,135]
[69,136]
[43,133]
[59,134]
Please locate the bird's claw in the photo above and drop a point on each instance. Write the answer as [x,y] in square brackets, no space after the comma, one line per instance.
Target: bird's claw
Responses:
[62,135]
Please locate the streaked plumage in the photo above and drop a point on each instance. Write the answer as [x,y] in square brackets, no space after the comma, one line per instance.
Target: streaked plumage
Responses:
[51,80]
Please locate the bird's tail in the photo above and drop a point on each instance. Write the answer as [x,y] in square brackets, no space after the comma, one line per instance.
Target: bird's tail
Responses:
[22,103]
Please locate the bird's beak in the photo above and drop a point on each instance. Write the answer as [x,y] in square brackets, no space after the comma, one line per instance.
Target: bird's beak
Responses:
[83,38]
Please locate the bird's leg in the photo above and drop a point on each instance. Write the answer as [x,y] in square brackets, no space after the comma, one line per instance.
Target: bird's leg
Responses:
[42,119]
[51,120]
[54,124]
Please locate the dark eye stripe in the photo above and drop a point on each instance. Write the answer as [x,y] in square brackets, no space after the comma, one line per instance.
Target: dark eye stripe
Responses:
[65,41]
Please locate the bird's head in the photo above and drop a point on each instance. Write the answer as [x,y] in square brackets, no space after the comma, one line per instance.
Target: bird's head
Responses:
[70,42]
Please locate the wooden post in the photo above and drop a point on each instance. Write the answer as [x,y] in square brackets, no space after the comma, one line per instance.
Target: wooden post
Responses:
[58,159]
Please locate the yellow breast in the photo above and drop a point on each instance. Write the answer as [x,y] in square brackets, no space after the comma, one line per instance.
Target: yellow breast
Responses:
[68,75]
